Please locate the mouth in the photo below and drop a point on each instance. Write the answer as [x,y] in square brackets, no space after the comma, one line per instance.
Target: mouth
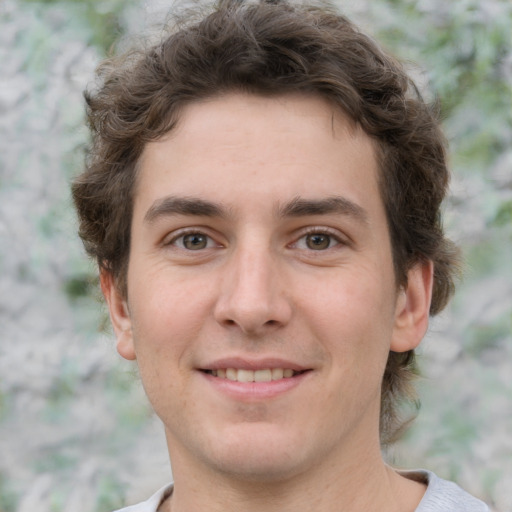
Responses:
[261,375]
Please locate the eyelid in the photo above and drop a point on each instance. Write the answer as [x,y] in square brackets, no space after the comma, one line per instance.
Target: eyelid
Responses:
[171,238]
[340,239]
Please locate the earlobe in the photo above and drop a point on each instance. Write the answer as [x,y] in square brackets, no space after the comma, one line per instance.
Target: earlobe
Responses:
[119,315]
[412,308]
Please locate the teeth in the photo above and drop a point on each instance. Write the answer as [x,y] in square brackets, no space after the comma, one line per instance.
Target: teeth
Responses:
[261,375]
[245,376]
[265,375]
[277,373]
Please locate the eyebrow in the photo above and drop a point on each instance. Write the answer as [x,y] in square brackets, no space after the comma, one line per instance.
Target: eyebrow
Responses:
[299,207]
[172,205]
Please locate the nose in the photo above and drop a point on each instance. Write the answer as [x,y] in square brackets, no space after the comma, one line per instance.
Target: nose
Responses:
[253,295]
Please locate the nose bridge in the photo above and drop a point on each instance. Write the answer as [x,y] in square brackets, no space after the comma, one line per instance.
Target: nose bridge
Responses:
[252,293]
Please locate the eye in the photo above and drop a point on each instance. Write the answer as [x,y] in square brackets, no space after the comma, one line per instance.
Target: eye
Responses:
[317,241]
[192,241]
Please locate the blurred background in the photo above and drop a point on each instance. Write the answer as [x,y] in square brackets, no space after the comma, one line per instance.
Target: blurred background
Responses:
[76,433]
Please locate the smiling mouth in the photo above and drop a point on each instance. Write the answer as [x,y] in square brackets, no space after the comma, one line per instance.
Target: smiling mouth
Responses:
[265,375]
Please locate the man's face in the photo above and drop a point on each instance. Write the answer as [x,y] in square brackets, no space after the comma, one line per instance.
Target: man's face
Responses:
[260,252]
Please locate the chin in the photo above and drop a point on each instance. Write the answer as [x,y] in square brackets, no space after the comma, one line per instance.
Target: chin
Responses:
[259,456]
[258,469]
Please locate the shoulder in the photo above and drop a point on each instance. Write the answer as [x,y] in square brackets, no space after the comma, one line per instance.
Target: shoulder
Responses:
[444,496]
[152,504]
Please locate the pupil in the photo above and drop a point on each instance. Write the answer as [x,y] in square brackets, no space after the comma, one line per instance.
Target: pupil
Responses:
[318,241]
[194,241]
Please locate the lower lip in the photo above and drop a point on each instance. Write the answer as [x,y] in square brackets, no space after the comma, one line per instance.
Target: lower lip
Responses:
[255,390]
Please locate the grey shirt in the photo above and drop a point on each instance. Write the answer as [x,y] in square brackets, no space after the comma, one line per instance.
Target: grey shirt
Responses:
[444,496]
[440,496]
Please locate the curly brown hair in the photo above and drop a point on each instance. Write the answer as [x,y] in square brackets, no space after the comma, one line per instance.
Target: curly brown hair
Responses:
[273,48]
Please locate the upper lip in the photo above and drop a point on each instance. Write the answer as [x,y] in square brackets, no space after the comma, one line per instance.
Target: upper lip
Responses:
[241,363]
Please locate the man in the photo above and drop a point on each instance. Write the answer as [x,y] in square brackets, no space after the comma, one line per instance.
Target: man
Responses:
[262,198]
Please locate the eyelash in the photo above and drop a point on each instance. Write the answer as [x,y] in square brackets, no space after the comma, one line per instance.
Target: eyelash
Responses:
[186,232]
[332,234]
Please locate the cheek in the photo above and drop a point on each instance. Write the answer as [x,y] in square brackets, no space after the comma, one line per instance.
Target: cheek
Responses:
[352,316]
[352,298]
[162,334]
[167,311]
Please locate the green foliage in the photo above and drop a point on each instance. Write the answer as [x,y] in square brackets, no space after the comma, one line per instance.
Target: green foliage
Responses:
[465,52]
[56,462]
[504,214]
[60,395]
[79,286]
[100,17]
[4,406]
[485,337]
[8,498]
[110,493]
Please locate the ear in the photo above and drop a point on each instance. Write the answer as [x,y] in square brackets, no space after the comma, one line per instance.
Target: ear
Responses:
[119,315]
[412,308]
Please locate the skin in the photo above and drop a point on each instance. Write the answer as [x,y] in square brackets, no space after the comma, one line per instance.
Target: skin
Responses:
[287,262]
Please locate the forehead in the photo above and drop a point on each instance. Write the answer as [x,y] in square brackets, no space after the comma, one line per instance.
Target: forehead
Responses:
[240,145]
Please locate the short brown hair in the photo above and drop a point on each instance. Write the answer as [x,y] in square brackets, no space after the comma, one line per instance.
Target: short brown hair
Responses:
[272,48]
